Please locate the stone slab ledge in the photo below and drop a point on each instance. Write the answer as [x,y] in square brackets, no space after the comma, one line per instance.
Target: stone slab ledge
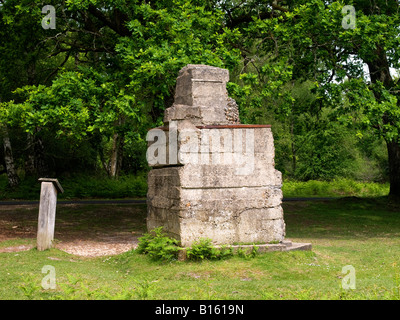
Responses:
[285,245]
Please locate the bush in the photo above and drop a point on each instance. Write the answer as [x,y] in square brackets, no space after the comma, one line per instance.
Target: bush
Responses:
[158,246]
[103,187]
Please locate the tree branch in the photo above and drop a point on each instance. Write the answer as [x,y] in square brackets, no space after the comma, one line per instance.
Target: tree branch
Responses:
[58,68]
[117,25]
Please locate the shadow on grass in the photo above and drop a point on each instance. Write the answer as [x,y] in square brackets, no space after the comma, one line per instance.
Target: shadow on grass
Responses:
[76,222]
[345,218]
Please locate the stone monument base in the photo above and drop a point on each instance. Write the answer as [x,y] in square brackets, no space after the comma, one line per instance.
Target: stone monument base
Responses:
[285,245]
[211,200]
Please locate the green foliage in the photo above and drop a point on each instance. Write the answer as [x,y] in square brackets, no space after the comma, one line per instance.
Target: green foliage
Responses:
[29,287]
[319,156]
[161,247]
[75,105]
[80,186]
[158,245]
[165,38]
[317,78]
[259,90]
[335,188]
[203,249]
[247,254]
[24,61]
[106,74]
[103,187]
[77,288]
[352,92]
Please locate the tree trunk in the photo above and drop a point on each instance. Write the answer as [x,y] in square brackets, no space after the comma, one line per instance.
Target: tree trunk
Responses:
[116,155]
[30,158]
[13,178]
[293,147]
[380,72]
[42,169]
[394,168]
[120,154]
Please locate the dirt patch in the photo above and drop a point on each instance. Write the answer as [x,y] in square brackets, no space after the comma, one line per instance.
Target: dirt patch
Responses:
[97,249]
[16,248]
[84,230]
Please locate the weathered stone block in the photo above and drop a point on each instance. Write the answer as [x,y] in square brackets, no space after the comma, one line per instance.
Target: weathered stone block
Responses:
[204,72]
[200,95]
[258,229]
[239,197]
[185,143]
[226,176]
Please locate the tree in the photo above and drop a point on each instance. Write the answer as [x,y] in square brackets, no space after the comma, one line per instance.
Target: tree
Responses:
[13,178]
[26,59]
[95,84]
[319,45]
[115,65]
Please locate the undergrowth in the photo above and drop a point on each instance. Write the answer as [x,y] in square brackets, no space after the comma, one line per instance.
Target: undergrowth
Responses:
[335,188]
[158,246]
[131,186]
[80,187]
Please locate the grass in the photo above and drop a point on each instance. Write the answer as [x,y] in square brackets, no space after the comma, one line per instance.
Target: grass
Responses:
[336,188]
[364,233]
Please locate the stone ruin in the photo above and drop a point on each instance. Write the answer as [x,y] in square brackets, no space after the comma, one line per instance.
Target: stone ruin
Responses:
[211,176]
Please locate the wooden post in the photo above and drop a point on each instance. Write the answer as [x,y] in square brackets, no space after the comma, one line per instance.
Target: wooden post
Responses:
[47,212]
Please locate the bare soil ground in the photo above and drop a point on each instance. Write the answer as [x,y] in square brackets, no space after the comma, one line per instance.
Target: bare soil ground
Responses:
[81,229]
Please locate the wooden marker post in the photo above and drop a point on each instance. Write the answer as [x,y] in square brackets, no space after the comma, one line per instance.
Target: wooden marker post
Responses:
[47,212]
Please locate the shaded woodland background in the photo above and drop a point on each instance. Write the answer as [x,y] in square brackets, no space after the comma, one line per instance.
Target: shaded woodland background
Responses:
[76,101]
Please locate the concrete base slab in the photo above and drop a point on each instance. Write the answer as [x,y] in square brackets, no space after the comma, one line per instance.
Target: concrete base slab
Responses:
[285,245]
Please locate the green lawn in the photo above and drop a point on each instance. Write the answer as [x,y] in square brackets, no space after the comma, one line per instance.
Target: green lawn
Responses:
[364,233]
[336,188]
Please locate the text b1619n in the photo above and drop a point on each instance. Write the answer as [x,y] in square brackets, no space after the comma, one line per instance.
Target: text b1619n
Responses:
[221,309]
